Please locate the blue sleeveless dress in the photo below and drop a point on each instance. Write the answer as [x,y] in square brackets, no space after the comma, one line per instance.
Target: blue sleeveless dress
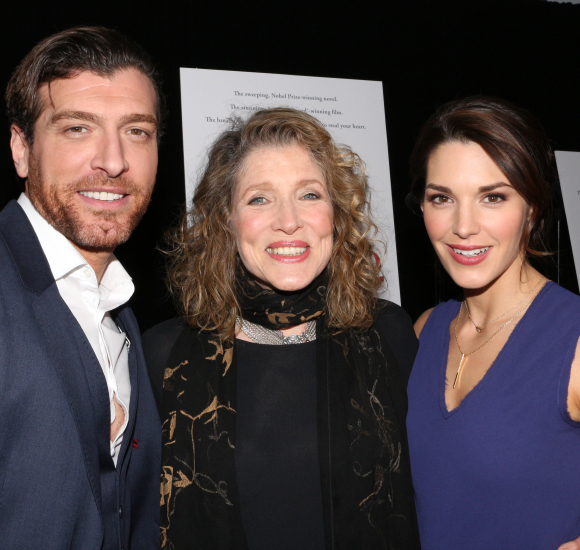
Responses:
[502,470]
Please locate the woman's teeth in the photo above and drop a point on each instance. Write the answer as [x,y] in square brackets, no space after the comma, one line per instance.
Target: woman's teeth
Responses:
[287,250]
[102,195]
[471,253]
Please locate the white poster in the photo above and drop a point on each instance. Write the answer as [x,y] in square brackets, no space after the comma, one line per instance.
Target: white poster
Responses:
[569,171]
[351,110]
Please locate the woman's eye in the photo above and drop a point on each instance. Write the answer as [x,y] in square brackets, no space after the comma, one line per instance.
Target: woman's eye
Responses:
[311,196]
[438,199]
[257,200]
[494,198]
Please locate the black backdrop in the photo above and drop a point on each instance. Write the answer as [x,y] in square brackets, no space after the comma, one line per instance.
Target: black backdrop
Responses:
[425,52]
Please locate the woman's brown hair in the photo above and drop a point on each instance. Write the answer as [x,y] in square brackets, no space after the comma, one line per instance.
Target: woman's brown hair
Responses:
[204,257]
[513,138]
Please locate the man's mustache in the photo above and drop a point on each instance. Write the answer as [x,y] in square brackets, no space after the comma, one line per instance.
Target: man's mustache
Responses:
[124,184]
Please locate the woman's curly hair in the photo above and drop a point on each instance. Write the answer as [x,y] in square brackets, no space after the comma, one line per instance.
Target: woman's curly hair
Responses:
[203,253]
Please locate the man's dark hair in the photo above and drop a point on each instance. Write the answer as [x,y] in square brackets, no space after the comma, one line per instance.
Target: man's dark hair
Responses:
[66,54]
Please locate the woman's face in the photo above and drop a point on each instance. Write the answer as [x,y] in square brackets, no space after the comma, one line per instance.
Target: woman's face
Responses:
[282,218]
[474,217]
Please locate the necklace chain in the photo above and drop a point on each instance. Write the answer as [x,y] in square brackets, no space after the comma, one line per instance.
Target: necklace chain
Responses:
[479,329]
[263,335]
[464,355]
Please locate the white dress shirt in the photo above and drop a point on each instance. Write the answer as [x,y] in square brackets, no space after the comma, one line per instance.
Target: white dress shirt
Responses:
[90,303]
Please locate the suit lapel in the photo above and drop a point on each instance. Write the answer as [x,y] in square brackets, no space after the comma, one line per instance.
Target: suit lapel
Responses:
[77,368]
[61,344]
[25,249]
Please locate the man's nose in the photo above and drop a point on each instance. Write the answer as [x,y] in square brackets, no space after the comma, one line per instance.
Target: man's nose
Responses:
[110,156]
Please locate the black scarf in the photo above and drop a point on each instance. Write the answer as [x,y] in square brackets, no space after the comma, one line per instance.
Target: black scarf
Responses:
[278,310]
[361,409]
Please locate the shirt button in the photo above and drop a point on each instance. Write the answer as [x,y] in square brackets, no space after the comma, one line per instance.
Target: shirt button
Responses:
[120,511]
[87,273]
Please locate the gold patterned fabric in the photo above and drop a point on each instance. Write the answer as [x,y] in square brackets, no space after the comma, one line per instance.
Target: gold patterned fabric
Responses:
[364,465]
[278,310]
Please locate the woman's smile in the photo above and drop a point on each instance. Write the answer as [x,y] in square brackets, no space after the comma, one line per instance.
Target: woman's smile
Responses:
[282,218]
[289,251]
[474,217]
[468,254]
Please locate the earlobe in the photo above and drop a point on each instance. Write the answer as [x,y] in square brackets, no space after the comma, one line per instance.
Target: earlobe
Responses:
[20,150]
[530,219]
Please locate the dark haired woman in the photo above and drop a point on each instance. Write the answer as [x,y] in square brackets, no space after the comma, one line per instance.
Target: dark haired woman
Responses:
[284,387]
[494,396]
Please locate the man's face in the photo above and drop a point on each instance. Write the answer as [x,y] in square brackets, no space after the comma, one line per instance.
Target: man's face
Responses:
[91,169]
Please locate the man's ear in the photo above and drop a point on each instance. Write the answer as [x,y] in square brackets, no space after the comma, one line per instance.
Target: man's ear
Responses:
[20,151]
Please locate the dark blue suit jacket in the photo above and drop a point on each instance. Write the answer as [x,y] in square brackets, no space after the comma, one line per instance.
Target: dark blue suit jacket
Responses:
[59,487]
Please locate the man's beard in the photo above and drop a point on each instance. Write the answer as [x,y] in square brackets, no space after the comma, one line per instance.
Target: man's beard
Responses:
[88,228]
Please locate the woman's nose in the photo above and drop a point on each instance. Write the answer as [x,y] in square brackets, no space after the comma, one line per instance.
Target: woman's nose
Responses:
[466,221]
[287,217]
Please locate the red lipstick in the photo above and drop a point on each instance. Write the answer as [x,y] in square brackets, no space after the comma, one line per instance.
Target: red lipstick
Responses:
[289,259]
[468,260]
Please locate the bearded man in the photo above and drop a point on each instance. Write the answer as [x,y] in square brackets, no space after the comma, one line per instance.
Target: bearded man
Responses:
[79,429]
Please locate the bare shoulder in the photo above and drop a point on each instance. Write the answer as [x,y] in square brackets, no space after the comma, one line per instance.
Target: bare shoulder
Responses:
[420,322]
[574,387]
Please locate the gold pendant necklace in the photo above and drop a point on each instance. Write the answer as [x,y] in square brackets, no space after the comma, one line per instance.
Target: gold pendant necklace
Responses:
[479,329]
[464,355]
[463,359]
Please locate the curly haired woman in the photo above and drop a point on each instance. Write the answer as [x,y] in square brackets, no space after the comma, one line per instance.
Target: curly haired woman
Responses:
[283,401]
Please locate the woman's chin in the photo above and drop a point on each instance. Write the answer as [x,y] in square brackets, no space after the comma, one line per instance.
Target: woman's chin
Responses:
[467,277]
[287,285]
[291,287]
[480,277]
[471,281]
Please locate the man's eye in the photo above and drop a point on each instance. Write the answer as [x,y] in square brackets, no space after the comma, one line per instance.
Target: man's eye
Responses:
[137,132]
[76,130]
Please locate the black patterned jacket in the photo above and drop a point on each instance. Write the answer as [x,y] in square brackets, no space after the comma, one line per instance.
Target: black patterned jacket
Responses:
[361,407]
